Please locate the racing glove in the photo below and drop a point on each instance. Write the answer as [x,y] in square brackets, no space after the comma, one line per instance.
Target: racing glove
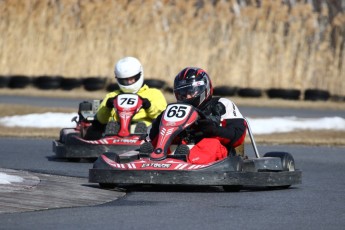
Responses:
[146,103]
[110,103]
[218,109]
[207,128]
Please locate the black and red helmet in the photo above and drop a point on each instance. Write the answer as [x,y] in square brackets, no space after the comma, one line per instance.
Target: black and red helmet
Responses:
[193,86]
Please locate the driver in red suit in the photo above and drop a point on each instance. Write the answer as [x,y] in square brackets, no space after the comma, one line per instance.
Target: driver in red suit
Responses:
[224,127]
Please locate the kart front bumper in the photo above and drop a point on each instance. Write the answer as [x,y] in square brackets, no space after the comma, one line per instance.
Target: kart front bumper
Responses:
[198,177]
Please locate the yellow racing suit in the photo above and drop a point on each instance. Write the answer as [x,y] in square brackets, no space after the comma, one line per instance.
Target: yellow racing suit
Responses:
[155,96]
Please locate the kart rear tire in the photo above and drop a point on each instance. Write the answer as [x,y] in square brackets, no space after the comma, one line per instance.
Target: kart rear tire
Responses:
[238,167]
[155,83]
[85,106]
[288,162]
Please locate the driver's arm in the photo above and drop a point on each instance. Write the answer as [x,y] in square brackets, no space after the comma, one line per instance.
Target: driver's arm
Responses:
[157,100]
[154,131]
[103,113]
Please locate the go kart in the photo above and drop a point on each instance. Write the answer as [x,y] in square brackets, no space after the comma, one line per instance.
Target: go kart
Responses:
[162,166]
[118,136]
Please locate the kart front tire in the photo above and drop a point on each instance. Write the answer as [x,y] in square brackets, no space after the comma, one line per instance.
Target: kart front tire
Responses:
[287,160]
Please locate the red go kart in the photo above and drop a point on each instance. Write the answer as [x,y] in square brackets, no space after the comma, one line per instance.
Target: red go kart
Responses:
[161,165]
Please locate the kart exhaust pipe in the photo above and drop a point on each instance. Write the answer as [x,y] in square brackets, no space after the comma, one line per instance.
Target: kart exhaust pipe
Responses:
[252,139]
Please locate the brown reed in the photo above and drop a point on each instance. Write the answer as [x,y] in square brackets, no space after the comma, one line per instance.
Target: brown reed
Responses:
[269,46]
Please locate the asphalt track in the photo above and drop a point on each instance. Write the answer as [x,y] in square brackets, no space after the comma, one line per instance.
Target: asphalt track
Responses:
[318,203]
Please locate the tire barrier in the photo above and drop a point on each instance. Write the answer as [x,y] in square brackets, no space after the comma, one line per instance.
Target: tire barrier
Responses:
[94,83]
[154,83]
[47,82]
[249,92]
[112,87]
[4,80]
[316,95]
[224,91]
[100,83]
[288,94]
[337,98]
[19,82]
[70,83]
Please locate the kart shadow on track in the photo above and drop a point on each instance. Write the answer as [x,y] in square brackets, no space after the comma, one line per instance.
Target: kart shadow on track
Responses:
[186,189]
[75,160]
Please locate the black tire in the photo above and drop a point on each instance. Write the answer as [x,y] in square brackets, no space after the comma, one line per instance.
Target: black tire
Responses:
[85,106]
[238,167]
[237,163]
[112,87]
[47,82]
[316,95]
[4,81]
[94,83]
[64,134]
[19,82]
[337,98]
[288,94]
[224,91]
[249,92]
[287,160]
[169,89]
[155,83]
[70,83]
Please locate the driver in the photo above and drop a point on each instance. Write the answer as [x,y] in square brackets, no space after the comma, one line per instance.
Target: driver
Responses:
[129,74]
[224,127]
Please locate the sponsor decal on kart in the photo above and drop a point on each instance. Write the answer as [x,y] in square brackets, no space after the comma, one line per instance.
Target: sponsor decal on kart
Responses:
[114,140]
[155,165]
[147,164]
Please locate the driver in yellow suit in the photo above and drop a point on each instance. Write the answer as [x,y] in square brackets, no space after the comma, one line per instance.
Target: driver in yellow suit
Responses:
[130,78]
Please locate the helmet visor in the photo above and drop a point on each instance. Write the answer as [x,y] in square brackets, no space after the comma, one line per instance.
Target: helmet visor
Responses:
[128,80]
[189,91]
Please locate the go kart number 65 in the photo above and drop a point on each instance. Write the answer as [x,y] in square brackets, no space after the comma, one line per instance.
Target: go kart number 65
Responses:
[177,112]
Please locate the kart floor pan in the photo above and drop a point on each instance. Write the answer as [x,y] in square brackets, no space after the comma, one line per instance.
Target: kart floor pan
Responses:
[152,177]
[87,151]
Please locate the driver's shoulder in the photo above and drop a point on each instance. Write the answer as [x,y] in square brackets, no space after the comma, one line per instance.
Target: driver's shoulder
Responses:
[112,94]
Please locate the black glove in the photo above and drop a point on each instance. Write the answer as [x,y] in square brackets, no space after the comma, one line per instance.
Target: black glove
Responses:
[146,103]
[218,109]
[110,103]
[206,128]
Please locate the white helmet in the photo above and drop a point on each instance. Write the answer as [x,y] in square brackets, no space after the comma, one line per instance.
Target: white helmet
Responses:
[129,67]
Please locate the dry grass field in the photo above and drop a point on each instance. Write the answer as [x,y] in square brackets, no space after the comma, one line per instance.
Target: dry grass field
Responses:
[273,45]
